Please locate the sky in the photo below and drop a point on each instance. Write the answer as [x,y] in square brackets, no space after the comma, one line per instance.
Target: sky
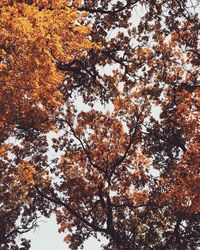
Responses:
[46,237]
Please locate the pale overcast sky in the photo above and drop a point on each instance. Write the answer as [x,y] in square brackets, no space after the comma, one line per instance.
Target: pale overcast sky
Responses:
[46,237]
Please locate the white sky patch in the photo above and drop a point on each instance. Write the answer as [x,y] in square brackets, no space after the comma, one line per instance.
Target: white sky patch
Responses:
[81,106]
[107,69]
[155,112]
[46,237]
[154,172]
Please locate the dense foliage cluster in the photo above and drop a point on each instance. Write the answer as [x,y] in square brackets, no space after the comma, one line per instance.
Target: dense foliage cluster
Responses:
[130,174]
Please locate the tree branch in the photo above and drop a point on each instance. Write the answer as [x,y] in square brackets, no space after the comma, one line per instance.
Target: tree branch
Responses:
[57,201]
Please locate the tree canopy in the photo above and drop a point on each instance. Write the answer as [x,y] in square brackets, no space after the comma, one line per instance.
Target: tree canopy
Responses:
[125,173]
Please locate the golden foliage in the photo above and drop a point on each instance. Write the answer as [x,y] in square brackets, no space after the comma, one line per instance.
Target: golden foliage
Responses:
[32,41]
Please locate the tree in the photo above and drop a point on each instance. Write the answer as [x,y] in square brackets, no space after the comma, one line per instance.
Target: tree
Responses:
[34,37]
[125,174]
